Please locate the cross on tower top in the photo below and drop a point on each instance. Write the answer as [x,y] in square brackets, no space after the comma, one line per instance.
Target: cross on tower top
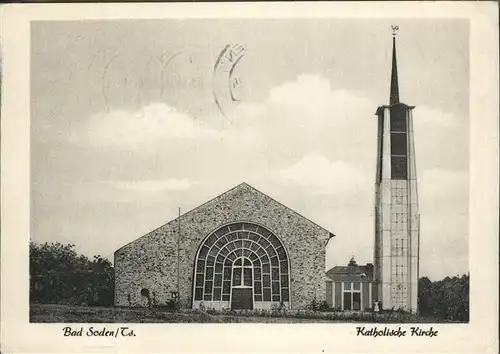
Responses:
[395,29]
[394,94]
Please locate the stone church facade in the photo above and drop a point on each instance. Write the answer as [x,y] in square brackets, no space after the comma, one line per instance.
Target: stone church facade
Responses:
[240,250]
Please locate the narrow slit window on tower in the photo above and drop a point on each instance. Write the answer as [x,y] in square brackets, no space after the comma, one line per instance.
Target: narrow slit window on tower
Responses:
[398,118]
[380,142]
[398,124]
[399,169]
[398,144]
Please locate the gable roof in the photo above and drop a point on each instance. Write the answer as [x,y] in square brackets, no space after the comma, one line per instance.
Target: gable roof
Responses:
[340,272]
[241,186]
[244,184]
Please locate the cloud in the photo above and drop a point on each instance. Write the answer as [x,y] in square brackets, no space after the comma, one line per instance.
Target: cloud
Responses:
[317,174]
[425,116]
[141,129]
[310,103]
[306,116]
[306,91]
[300,117]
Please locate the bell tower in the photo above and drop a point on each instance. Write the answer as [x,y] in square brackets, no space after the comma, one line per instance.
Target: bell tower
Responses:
[396,256]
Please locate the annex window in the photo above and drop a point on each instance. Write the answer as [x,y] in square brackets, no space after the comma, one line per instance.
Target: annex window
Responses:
[351,296]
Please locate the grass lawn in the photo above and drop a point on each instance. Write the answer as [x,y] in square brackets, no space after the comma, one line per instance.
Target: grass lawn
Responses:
[50,313]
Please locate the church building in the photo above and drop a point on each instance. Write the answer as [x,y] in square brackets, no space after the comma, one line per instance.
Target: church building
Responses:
[240,250]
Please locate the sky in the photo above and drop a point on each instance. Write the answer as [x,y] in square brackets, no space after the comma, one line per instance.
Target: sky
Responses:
[125,129]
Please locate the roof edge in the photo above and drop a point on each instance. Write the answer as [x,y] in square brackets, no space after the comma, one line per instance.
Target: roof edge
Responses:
[176,218]
[382,107]
[331,234]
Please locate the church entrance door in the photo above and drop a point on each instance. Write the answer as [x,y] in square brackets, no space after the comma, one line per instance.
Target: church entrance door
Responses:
[242,288]
[242,299]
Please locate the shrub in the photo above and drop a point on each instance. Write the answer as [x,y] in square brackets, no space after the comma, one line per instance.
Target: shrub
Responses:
[323,306]
[447,299]
[58,275]
[278,310]
[173,305]
[316,305]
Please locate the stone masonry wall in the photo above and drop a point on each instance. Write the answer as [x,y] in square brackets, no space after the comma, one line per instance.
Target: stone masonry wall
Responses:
[150,262]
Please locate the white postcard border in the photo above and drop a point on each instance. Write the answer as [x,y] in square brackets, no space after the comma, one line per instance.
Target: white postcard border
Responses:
[18,335]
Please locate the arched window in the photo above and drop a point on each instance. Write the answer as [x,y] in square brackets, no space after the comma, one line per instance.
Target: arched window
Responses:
[242,263]
[242,272]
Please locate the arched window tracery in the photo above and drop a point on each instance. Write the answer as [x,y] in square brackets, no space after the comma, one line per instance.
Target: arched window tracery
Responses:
[242,255]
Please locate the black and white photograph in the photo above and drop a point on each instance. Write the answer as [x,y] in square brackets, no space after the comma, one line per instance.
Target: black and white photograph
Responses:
[254,169]
[320,168]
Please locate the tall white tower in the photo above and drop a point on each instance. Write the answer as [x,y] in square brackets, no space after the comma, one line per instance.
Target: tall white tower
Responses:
[396,206]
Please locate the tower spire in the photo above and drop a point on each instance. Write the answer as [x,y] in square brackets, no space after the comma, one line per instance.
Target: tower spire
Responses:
[394,98]
[396,273]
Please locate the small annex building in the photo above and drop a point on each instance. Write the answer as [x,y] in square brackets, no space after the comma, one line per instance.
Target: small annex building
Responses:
[240,250]
[351,287]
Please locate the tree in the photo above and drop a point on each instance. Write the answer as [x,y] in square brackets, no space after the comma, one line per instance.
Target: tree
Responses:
[447,299]
[58,274]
